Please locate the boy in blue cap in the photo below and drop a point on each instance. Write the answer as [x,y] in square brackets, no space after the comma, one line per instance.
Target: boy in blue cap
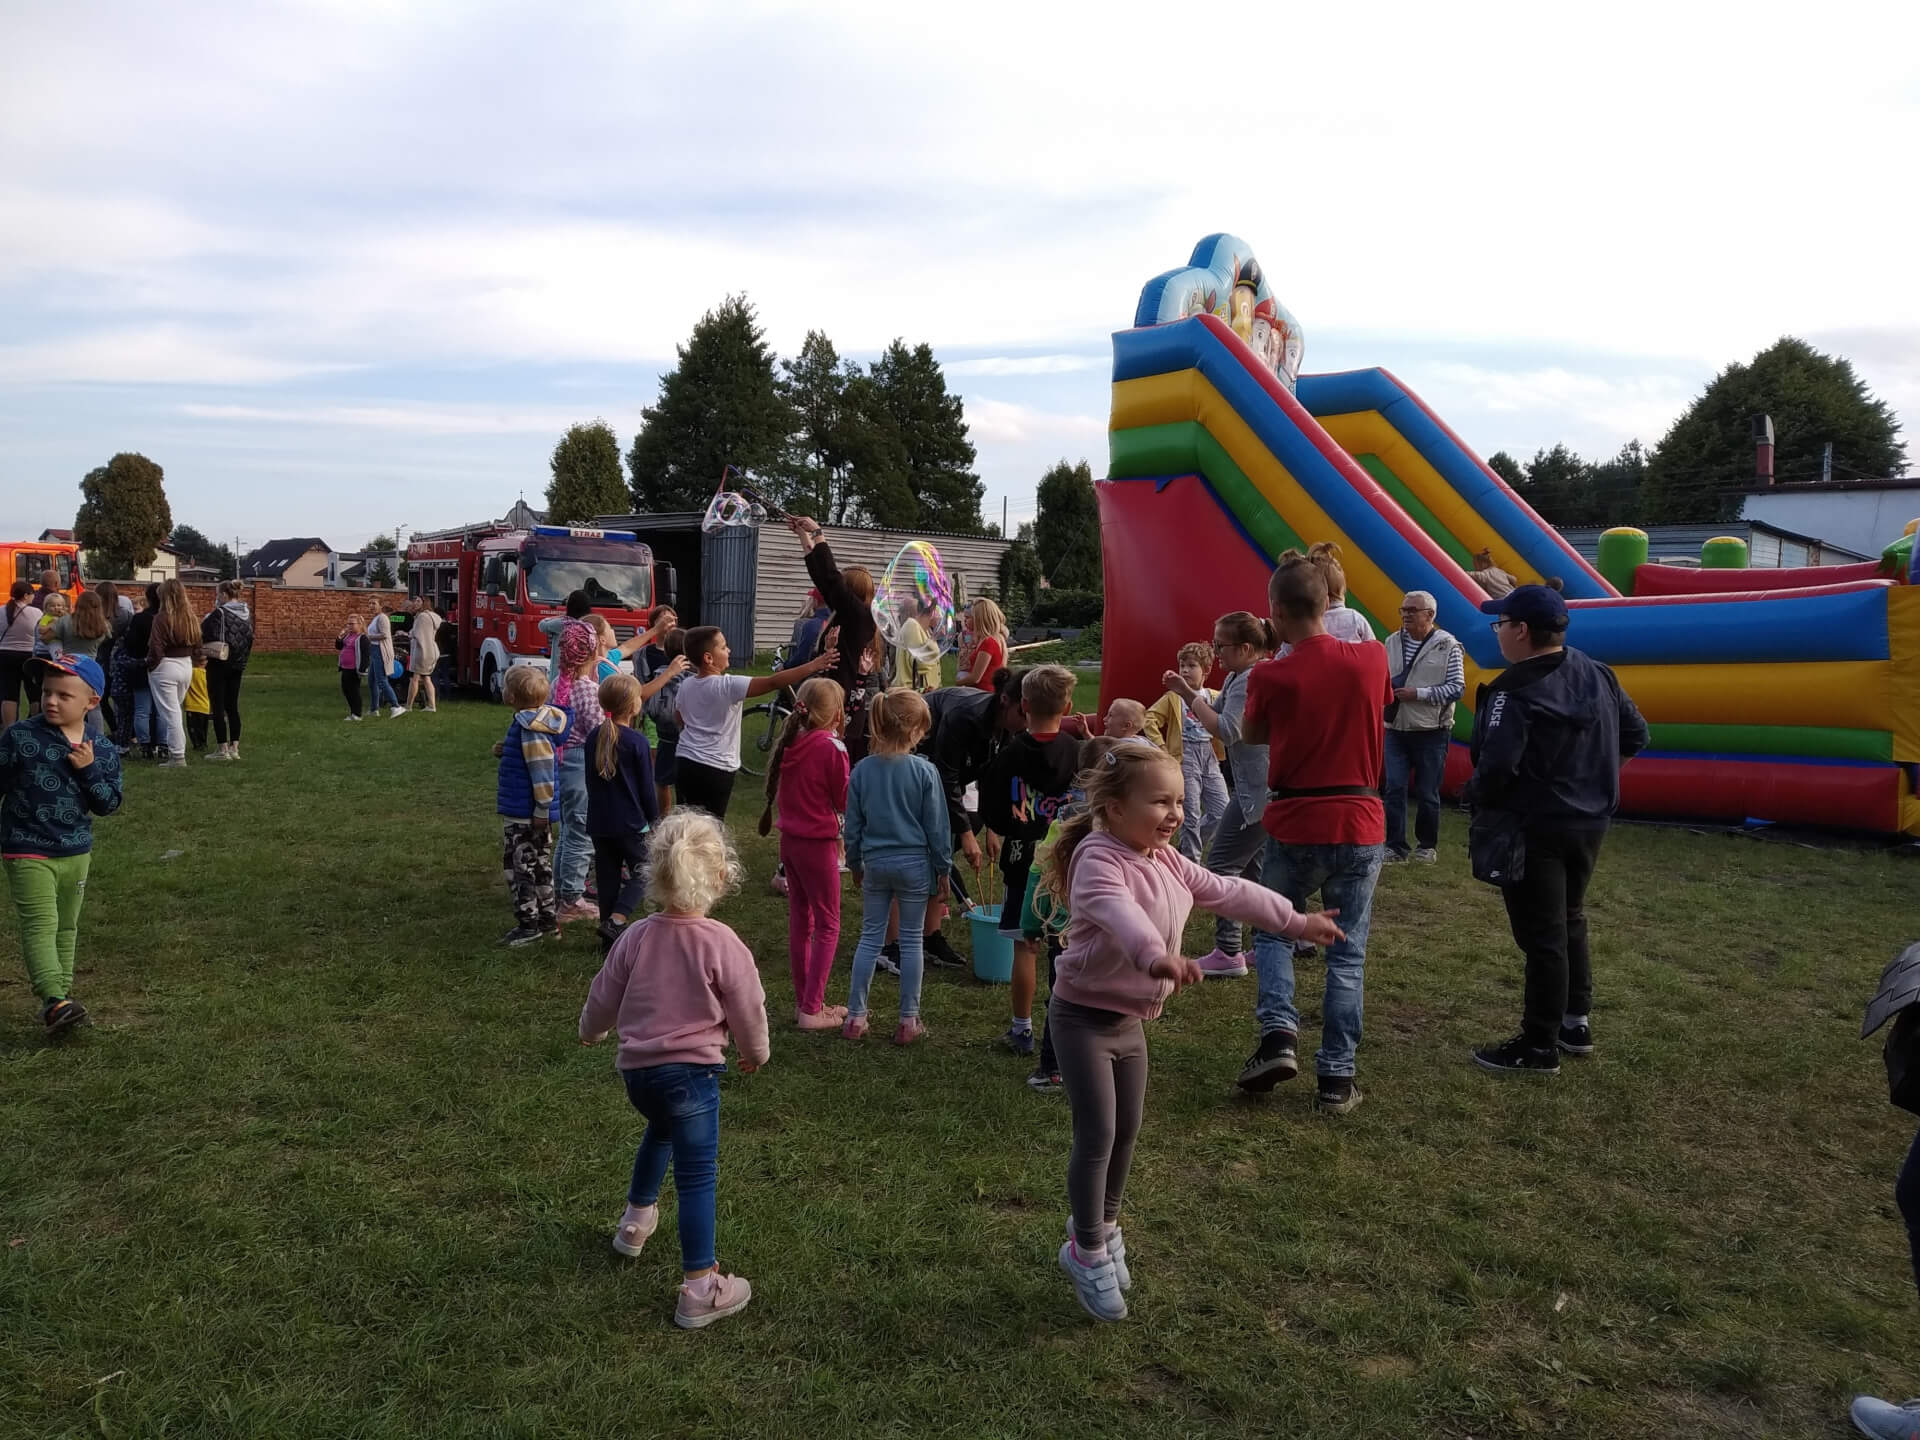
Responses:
[54,777]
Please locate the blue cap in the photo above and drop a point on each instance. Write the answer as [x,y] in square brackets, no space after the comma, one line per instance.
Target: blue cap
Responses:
[1530,604]
[84,666]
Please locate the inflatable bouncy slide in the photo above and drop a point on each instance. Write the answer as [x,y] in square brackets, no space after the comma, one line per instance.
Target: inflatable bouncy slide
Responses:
[1788,696]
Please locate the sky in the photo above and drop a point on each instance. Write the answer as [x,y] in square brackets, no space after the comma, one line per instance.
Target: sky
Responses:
[346,266]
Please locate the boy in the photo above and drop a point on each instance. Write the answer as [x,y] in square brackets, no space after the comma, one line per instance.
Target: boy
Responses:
[53,778]
[708,709]
[1318,710]
[529,801]
[1026,784]
[1127,720]
[1172,726]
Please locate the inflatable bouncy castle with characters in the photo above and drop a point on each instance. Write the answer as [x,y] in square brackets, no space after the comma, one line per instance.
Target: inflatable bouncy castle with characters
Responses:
[1790,696]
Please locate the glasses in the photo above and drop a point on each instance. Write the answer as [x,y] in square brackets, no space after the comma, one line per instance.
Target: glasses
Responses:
[1504,620]
[1415,610]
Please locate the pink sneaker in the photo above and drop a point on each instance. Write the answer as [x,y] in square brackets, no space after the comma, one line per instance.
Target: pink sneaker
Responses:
[580,909]
[725,1295]
[855,1028]
[910,1030]
[1222,966]
[827,1019]
[635,1227]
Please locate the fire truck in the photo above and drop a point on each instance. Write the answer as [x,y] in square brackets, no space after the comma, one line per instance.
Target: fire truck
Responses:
[495,583]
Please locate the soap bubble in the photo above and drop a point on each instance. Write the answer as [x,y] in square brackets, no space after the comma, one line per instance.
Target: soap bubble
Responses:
[728,509]
[913,603]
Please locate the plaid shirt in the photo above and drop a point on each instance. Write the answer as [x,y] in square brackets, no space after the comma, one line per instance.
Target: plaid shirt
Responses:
[580,694]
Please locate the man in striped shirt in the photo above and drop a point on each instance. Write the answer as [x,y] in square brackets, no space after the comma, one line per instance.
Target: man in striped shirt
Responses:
[1428,677]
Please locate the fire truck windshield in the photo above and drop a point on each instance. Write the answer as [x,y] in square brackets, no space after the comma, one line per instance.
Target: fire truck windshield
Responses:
[617,581]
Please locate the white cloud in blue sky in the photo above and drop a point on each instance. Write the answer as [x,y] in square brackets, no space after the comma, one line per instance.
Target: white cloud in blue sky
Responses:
[340,266]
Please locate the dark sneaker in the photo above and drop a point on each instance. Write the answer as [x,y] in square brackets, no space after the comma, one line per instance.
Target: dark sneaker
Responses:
[550,927]
[523,935]
[1517,1056]
[62,1015]
[609,932]
[940,953]
[889,958]
[1018,1041]
[1045,1080]
[1273,1062]
[1576,1039]
[1337,1095]
[1425,855]
[1396,857]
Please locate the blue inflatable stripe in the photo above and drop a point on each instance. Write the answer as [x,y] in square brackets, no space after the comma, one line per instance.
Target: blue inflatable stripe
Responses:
[1851,625]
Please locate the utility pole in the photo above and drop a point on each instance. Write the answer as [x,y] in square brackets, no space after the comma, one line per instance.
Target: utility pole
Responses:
[1003,519]
[1826,463]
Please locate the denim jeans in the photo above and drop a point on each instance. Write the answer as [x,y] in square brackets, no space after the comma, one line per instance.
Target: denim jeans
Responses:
[1206,800]
[1345,876]
[380,683]
[682,1107]
[1236,849]
[143,731]
[1419,756]
[573,854]
[885,879]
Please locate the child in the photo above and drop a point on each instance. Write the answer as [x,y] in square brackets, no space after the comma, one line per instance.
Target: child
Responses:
[677,985]
[708,708]
[1340,622]
[198,708]
[1173,726]
[529,801]
[899,846]
[1130,893]
[1240,641]
[660,707]
[1026,784]
[46,636]
[807,776]
[54,777]
[348,643]
[622,804]
[1127,720]
[1326,825]
[578,693]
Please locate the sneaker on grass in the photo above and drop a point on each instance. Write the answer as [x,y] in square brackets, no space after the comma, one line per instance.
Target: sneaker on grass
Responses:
[889,958]
[1576,1039]
[1425,855]
[1336,1095]
[1883,1421]
[1046,1080]
[1096,1283]
[712,1297]
[940,952]
[522,935]
[635,1226]
[1018,1041]
[1518,1056]
[1220,965]
[1116,1252]
[1276,1060]
[62,1015]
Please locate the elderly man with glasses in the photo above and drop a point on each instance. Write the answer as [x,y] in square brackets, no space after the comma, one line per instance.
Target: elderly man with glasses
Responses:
[1428,676]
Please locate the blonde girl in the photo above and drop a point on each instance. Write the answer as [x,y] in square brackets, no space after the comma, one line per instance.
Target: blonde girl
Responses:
[46,639]
[1115,868]
[677,986]
[577,691]
[899,847]
[622,804]
[807,778]
[173,654]
[1341,623]
[989,652]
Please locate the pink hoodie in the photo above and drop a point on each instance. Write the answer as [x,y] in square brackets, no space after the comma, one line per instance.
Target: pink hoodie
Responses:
[676,986]
[813,786]
[1129,910]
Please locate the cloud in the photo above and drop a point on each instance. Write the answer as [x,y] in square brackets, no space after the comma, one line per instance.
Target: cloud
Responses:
[159,354]
[1004,422]
[1025,365]
[1642,405]
[408,419]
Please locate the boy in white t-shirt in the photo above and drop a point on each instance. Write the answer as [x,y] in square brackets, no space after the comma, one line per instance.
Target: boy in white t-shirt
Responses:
[709,709]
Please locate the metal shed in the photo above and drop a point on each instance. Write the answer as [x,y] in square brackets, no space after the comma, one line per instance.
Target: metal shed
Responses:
[714,573]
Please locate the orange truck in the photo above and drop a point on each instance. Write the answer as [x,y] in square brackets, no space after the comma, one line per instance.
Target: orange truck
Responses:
[29,559]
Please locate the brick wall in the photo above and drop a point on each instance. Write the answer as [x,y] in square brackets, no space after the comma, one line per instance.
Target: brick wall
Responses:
[297,618]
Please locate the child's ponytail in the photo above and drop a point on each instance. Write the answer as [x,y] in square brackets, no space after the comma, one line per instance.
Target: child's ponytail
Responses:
[817,703]
[620,699]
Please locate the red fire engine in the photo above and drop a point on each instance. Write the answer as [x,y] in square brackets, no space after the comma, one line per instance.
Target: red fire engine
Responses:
[496,583]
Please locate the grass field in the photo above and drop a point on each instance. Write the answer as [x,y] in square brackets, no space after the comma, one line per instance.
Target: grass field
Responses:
[333,1164]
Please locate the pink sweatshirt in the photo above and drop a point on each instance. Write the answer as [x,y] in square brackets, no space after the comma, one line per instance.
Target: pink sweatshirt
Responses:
[676,986]
[1129,910]
[813,786]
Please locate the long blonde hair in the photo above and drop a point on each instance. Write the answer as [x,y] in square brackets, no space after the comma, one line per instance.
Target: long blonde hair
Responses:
[1114,768]
[988,619]
[817,705]
[897,720]
[620,698]
[691,864]
[89,616]
[178,627]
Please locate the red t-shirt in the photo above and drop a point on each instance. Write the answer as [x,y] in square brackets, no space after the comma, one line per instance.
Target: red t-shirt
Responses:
[1323,706]
[994,646]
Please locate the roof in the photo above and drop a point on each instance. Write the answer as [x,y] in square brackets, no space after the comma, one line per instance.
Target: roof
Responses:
[1823,487]
[1672,540]
[56,537]
[271,560]
[690,520]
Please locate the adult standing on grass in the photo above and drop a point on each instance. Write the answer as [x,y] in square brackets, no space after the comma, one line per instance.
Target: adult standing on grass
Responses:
[16,648]
[83,633]
[379,648]
[119,612]
[173,654]
[423,652]
[1549,738]
[226,635]
[858,670]
[1429,675]
[135,717]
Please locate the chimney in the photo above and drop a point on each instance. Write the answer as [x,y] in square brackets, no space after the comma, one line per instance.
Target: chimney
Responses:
[1763,450]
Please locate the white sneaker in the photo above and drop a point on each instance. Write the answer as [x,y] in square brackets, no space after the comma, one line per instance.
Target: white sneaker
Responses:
[1116,1252]
[1883,1421]
[1095,1285]
[397,713]
[1424,855]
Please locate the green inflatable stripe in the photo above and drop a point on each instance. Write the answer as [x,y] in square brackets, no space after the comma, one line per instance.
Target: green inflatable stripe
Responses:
[1412,504]
[1805,742]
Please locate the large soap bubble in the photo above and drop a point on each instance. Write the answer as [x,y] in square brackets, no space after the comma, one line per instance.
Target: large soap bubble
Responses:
[913,603]
[729,509]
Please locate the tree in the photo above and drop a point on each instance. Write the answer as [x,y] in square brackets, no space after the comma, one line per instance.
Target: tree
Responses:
[1066,533]
[941,490]
[193,545]
[1555,485]
[1814,400]
[587,482]
[720,405]
[1019,575]
[1507,468]
[820,476]
[380,550]
[123,514]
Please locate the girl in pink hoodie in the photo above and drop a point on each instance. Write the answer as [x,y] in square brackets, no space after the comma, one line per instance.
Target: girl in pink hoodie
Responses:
[807,779]
[1129,892]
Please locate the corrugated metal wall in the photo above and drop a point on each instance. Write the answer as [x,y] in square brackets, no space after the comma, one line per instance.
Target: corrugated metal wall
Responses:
[972,561]
[728,584]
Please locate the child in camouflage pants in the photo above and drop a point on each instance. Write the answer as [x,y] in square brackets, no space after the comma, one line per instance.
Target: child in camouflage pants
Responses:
[529,803]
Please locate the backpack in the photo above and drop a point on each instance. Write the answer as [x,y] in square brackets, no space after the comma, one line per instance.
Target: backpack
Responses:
[661,708]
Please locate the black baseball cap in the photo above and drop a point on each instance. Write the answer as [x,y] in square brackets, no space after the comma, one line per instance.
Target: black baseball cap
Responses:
[1531,605]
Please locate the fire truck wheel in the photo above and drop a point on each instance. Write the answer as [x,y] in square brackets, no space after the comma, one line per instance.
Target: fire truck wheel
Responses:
[490,681]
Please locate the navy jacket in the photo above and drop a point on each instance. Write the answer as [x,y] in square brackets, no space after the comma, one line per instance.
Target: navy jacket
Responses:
[47,806]
[627,804]
[1549,736]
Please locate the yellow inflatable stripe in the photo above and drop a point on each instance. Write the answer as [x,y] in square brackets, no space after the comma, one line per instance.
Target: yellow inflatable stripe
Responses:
[1848,694]
[1363,432]
[1903,634]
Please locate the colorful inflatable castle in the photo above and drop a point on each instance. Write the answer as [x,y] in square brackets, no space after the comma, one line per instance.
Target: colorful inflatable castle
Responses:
[1788,696]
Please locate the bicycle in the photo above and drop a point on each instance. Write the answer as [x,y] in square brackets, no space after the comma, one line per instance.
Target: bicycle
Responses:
[776,707]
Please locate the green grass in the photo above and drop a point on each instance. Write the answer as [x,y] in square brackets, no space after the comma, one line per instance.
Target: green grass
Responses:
[333,1164]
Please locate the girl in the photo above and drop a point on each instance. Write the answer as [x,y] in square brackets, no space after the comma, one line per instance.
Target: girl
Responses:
[708,709]
[622,806]
[173,654]
[899,846]
[379,647]
[82,631]
[989,653]
[16,649]
[807,775]
[607,655]
[135,718]
[1341,623]
[228,633]
[348,643]
[677,985]
[578,693]
[1240,641]
[1129,891]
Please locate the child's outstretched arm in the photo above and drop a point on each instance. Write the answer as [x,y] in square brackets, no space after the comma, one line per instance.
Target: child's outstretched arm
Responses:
[792,675]
[1252,902]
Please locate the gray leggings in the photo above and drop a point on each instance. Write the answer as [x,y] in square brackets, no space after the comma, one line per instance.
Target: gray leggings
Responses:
[1238,848]
[1103,1061]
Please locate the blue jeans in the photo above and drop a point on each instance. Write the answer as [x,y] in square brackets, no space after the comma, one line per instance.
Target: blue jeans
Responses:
[885,879]
[1206,799]
[1420,756]
[380,684]
[573,854]
[1345,876]
[142,713]
[682,1106]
